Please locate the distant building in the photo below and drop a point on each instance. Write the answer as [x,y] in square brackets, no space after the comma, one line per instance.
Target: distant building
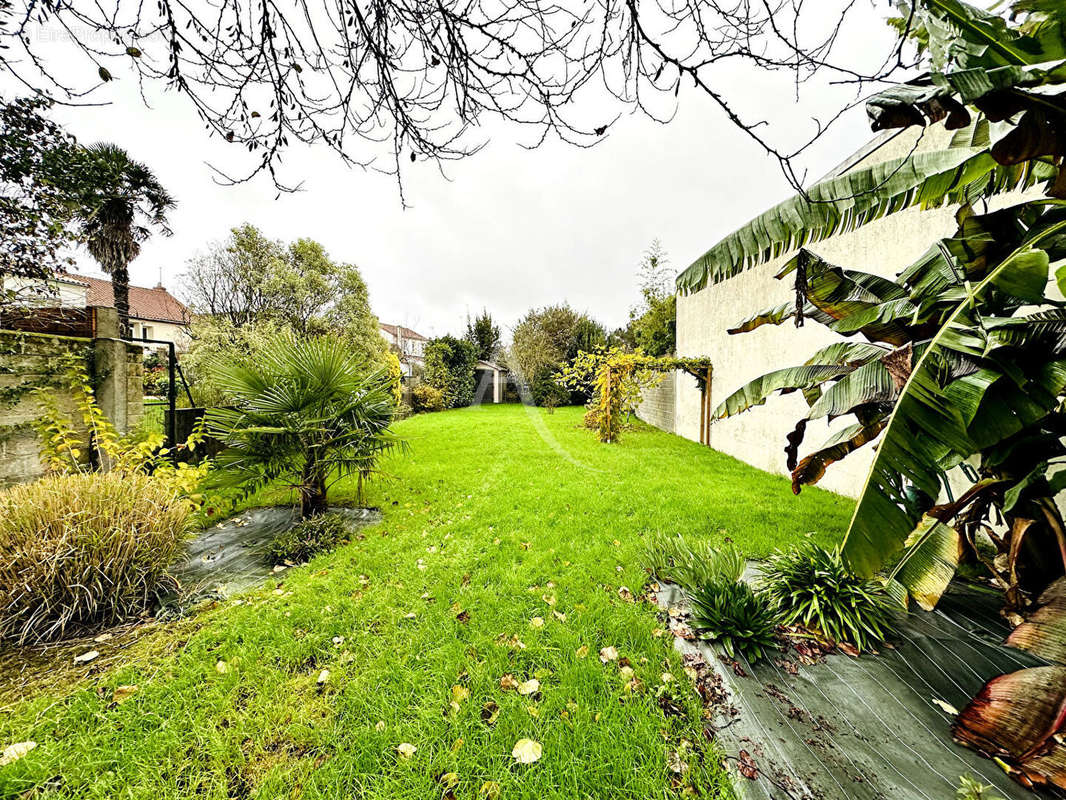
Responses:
[154,313]
[409,345]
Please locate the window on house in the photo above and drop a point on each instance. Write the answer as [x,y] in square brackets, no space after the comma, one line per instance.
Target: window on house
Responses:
[146,332]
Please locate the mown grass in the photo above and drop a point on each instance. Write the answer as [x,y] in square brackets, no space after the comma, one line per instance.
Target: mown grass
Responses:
[498,515]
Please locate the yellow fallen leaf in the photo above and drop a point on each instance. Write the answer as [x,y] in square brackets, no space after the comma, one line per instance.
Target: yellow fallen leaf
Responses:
[582,651]
[667,677]
[490,790]
[657,633]
[457,744]
[559,616]
[406,749]
[460,693]
[86,657]
[13,752]
[548,598]
[536,622]
[625,594]
[617,543]
[526,751]
[221,667]
[627,672]
[533,711]
[449,780]
[529,687]
[380,726]
[508,682]
[608,654]
[124,693]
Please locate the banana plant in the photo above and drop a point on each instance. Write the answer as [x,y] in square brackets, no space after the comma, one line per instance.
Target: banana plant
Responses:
[960,360]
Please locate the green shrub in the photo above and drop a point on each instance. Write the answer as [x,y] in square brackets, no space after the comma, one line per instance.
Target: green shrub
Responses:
[305,539]
[85,549]
[672,558]
[449,366]
[427,398]
[813,587]
[734,616]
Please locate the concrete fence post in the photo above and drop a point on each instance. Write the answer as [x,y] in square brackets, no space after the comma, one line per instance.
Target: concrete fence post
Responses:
[118,369]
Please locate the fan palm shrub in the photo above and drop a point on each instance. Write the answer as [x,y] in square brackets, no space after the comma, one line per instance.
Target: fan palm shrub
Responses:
[302,411]
[120,200]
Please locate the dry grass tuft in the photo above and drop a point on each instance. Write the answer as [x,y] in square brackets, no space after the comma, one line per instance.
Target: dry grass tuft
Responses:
[84,549]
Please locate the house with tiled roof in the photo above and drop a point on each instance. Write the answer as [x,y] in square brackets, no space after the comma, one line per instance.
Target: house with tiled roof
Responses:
[154,312]
[408,344]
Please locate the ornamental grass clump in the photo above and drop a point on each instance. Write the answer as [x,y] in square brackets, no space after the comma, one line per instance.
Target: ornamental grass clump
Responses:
[85,549]
[675,559]
[813,587]
[305,539]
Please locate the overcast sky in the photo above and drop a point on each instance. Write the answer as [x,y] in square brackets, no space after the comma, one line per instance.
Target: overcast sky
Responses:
[509,228]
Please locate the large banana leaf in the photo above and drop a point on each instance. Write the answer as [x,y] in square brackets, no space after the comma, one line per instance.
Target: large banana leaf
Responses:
[928,426]
[842,204]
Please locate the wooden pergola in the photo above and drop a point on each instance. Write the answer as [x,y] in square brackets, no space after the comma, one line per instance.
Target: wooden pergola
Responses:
[616,369]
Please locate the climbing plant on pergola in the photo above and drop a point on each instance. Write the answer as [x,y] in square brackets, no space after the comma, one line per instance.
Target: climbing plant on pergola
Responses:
[617,368]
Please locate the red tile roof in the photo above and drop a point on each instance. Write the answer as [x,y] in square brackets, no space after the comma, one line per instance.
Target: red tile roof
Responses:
[156,305]
[407,333]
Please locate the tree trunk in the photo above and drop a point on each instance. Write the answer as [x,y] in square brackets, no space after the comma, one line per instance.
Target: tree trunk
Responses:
[120,284]
[312,492]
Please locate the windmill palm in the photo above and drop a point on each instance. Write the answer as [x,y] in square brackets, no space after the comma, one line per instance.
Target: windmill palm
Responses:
[121,202]
[304,412]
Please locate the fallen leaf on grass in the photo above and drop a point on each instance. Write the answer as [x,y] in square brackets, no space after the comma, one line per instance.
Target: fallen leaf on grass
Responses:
[13,752]
[406,749]
[463,617]
[626,671]
[608,654]
[221,667]
[508,682]
[490,712]
[526,751]
[449,780]
[582,651]
[86,657]
[380,726]
[559,616]
[457,744]
[323,676]
[529,687]
[459,694]
[124,693]
[103,637]
[625,594]
[548,598]
[674,763]
[490,790]
[536,622]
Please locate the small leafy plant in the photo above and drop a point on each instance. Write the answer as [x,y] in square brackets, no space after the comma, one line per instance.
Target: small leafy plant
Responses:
[971,789]
[732,614]
[425,398]
[813,587]
[305,539]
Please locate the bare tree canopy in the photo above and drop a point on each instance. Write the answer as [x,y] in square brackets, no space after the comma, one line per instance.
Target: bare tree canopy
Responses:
[386,81]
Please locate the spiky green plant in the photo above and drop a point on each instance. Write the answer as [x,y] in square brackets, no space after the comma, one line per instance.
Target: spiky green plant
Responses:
[308,538]
[813,587]
[736,617]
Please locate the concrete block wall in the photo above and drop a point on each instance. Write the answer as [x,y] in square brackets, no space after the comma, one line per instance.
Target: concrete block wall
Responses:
[658,404]
[29,361]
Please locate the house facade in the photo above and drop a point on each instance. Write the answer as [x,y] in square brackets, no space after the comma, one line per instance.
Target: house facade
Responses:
[758,436]
[409,345]
[154,312]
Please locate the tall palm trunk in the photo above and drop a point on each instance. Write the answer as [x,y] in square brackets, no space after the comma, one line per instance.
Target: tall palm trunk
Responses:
[120,284]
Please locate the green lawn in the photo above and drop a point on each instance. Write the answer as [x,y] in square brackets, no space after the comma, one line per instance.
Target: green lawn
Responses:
[498,515]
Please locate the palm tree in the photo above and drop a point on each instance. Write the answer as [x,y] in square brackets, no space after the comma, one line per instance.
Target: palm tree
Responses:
[120,202]
[304,411]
